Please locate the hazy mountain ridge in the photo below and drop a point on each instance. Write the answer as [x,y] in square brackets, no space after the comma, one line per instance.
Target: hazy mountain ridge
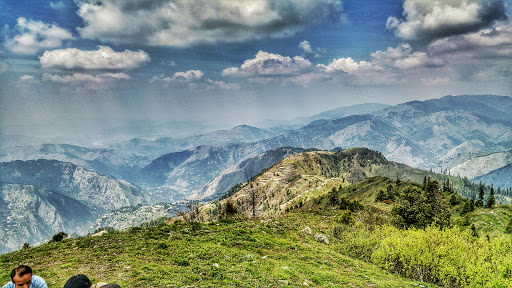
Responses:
[164,145]
[482,165]
[43,197]
[120,164]
[433,134]
[501,177]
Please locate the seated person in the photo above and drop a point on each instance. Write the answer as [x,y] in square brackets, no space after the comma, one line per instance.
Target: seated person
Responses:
[82,281]
[22,277]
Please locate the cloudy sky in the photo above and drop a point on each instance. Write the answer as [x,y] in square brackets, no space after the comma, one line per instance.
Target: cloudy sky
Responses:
[90,63]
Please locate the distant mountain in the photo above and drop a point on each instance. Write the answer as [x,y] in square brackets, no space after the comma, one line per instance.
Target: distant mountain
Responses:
[120,164]
[482,165]
[242,172]
[425,135]
[175,176]
[501,177]
[160,146]
[345,111]
[42,197]
[420,134]
[336,113]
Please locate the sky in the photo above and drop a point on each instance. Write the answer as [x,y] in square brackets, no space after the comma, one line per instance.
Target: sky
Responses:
[80,67]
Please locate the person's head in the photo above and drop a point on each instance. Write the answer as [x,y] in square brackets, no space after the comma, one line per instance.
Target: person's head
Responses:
[78,281]
[21,276]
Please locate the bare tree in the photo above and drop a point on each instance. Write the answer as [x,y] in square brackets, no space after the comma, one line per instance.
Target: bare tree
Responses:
[191,211]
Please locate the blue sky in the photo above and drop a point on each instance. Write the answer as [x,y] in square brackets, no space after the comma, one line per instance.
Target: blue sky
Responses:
[224,62]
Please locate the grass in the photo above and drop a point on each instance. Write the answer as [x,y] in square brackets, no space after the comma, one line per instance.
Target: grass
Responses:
[270,253]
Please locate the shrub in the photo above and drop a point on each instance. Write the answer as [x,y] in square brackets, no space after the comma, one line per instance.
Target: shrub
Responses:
[59,237]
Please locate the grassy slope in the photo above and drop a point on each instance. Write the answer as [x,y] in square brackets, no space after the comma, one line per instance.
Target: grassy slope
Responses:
[300,178]
[184,255]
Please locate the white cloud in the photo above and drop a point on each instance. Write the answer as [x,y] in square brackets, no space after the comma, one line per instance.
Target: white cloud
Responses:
[308,49]
[103,58]
[36,35]
[427,19]
[347,65]
[270,65]
[306,46]
[188,22]
[403,57]
[57,5]
[85,78]
[189,76]
[26,77]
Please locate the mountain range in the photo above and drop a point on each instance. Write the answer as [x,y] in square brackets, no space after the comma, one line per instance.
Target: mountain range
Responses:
[42,197]
[458,135]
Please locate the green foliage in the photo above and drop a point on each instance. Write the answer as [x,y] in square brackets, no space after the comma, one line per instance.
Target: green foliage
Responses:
[59,237]
[349,204]
[25,245]
[508,229]
[420,208]
[448,257]
[490,202]
[266,253]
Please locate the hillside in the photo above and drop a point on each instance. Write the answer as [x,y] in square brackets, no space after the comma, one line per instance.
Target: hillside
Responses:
[500,178]
[295,180]
[484,164]
[42,197]
[274,253]
[242,172]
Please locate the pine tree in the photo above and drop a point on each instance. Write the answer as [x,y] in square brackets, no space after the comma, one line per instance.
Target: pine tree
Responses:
[491,201]
[481,192]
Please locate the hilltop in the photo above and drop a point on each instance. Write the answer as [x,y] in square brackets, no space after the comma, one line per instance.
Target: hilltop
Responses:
[298,178]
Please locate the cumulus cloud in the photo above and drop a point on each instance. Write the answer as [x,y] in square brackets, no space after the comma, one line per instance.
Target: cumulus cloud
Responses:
[270,65]
[403,57]
[85,78]
[308,49]
[426,19]
[188,22]
[179,78]
[36,35]
[103,58]
[347,65]
[189,76]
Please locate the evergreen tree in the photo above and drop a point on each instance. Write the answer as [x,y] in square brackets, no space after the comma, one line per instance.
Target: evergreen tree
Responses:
[491,201]
[481,193]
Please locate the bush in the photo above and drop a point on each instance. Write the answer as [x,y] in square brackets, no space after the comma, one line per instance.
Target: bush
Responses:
[59,237]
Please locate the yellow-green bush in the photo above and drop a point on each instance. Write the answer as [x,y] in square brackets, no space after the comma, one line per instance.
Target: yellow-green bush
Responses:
[449,257]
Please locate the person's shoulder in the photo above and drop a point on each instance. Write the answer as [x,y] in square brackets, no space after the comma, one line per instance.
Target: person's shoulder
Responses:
[38,282]
[8,285]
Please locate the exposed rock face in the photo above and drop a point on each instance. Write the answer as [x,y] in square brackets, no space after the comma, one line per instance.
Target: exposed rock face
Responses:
[42,197]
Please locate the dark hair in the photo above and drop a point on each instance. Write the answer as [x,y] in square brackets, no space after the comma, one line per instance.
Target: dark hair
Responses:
[20,270]
[78,281]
